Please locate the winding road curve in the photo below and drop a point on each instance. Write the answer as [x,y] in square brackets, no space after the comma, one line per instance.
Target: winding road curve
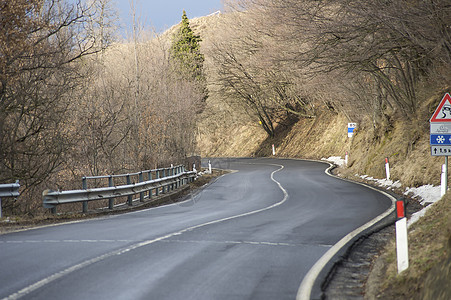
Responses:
[251,234]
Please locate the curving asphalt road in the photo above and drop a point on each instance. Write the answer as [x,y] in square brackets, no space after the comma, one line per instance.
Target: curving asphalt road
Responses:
[252,234]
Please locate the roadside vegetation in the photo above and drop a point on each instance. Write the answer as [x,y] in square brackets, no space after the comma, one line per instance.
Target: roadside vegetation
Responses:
[78,101]
[428,275]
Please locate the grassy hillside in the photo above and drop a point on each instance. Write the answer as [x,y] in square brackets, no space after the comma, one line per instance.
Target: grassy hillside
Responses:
[428,275]
[405,144]
[225,129]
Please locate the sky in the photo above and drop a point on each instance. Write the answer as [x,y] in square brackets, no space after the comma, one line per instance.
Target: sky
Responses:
[162,14]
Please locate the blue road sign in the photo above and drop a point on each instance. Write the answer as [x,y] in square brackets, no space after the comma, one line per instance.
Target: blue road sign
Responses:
[440,139]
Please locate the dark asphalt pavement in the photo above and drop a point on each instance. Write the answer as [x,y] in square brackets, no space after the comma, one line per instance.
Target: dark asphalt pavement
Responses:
[252,234]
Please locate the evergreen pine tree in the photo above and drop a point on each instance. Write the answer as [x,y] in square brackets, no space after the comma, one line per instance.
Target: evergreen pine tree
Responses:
[185,53]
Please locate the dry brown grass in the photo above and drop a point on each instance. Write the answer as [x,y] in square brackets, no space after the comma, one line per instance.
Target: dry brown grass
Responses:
[429,248]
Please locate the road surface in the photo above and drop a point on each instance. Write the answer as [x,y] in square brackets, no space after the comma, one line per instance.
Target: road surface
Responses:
[252,234]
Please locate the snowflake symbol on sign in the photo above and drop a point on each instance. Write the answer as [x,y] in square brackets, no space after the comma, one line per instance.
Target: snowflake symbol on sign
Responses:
[440,139]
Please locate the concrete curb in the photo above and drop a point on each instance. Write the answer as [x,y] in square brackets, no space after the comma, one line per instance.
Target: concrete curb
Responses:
[310,280]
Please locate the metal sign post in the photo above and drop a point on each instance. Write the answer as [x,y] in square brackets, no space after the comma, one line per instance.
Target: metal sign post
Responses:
[444,179]
[351,129]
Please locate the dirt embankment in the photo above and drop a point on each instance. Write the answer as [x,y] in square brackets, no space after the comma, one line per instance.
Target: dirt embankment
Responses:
[406,145]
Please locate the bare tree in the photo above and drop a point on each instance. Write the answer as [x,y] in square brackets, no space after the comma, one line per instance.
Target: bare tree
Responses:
[395,43]
[41,40]
[246,72]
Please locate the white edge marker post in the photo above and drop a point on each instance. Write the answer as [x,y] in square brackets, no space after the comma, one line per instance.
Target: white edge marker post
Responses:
[209,167]
[387,168]
[346,159]
[273,150]
[444,178]
[402,246]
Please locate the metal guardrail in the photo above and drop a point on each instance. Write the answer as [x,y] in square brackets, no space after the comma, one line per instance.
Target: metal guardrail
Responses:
[165,180]
[8,190]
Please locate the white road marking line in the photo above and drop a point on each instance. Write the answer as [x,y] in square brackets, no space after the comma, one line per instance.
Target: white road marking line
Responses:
[89,262]
[244,243]
[67,241]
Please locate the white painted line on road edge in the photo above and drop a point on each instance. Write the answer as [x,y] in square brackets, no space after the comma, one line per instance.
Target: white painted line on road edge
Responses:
[305,289]
[23,292]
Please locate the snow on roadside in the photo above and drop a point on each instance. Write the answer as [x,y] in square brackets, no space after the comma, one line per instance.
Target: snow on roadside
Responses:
[426,194]
[388,184]
[335,160]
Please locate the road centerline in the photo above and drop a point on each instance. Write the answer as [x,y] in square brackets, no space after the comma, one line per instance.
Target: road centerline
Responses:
[41,283]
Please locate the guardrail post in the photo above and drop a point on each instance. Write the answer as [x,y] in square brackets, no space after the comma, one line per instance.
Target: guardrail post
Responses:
[171,185]
[164,175]
[177,172]
[157,190]
[150,178]
[129,197]
[141,194]
[172,174]
[168,186]
[168,173]
[85,187]
[180,172]
[111,200]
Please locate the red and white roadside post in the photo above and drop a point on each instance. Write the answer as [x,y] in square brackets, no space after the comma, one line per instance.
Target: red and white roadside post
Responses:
[273,150]
[387,168]
[402,246]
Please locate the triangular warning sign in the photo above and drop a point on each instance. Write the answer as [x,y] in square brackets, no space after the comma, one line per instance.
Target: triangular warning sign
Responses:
[443,111]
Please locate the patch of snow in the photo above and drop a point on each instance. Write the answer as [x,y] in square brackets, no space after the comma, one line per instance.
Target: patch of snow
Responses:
[336,160]
[388,184]
[416,216]
[426,194]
